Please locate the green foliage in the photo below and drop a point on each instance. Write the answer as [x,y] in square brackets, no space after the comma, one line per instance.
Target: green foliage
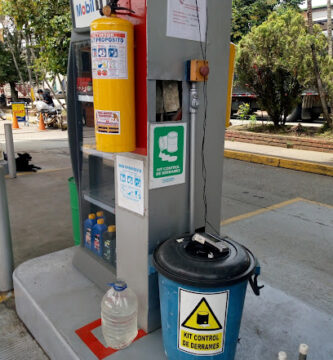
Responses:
[8,72]
[46,27]
[247,14]
[253,120]
[244,111]
[52,27]
[271,60]
[325,63]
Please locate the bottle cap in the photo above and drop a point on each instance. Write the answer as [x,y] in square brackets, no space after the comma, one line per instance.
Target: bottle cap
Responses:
[92,216]
[119,285]
[112,228]
[99,213]
[100,221]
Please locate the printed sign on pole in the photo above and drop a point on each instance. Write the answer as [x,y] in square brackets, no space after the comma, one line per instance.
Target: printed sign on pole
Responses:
[202,322]
[168,154]
[130,180]
[19,110]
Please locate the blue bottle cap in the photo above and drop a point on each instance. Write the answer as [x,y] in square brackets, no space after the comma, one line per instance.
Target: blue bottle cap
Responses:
[119,285]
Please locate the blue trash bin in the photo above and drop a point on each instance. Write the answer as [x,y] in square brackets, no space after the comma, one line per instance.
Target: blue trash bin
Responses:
[202,283]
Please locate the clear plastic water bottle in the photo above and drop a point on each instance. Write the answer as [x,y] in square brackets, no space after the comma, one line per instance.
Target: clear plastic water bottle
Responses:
[119,316]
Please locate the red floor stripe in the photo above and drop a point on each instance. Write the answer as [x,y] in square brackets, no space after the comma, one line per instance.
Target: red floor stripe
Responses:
[97,348]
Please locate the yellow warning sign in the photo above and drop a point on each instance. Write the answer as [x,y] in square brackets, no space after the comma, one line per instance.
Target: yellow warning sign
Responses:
[202,322]
[202,318]
[19,110]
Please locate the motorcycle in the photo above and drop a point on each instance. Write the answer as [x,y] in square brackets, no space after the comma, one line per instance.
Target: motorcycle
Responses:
[52,115]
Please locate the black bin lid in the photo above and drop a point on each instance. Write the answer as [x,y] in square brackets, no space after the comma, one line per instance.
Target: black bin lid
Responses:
[200,264]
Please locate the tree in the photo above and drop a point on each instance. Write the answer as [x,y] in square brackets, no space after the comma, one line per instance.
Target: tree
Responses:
[14,42]
[45,27]
[8,70]
[270,61]
[329,27]
[50,23]
[316,68]
[247,14]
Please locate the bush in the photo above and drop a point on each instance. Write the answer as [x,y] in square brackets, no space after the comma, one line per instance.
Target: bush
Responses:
[270,60]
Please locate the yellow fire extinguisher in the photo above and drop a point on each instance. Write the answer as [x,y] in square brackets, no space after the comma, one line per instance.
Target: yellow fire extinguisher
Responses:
[112,55]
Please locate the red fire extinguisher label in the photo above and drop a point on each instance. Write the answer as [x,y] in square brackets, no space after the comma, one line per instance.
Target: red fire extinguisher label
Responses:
[109,54]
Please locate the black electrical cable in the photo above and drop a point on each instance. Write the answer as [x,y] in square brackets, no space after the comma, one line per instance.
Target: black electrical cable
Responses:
[205,96]
[203,49]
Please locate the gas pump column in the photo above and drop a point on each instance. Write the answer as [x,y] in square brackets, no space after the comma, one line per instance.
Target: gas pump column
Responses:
[152,190]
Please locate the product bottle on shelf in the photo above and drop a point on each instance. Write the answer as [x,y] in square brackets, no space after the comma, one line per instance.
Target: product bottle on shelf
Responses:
[109,245]
[88,226]
[100,215]
[98,230]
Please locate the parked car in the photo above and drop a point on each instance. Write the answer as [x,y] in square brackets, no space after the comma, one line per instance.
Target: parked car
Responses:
[308,109]
[243,96]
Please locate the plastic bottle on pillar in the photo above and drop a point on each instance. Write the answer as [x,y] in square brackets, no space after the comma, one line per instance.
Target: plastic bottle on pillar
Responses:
[112,53]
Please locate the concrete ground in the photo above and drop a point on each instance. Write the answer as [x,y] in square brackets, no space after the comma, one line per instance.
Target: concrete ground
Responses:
[39,202]
[41,219]
[294,244]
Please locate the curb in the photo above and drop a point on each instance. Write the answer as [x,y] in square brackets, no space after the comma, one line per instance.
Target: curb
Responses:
[298,165]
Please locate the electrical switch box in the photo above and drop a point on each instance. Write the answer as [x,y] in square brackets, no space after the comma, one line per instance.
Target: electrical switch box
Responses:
[198,70]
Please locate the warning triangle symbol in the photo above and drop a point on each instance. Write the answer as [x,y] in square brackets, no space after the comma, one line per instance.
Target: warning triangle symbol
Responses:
[202,318]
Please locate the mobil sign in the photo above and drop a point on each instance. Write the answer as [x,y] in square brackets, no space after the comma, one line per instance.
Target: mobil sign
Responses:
[85,11]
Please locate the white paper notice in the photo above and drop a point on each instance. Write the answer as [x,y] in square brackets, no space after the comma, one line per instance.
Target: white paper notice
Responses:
[183,22]
[130,194]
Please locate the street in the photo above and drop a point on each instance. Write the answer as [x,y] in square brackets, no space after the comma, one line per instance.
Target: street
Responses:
[249,187]
[292,238]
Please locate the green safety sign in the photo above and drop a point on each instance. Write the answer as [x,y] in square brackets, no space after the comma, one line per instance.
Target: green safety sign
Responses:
[167,154]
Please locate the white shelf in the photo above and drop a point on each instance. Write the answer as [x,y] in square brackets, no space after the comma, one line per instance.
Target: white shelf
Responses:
[93,200]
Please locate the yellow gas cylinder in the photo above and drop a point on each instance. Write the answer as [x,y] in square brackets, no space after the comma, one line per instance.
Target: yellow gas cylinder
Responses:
[112,56]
